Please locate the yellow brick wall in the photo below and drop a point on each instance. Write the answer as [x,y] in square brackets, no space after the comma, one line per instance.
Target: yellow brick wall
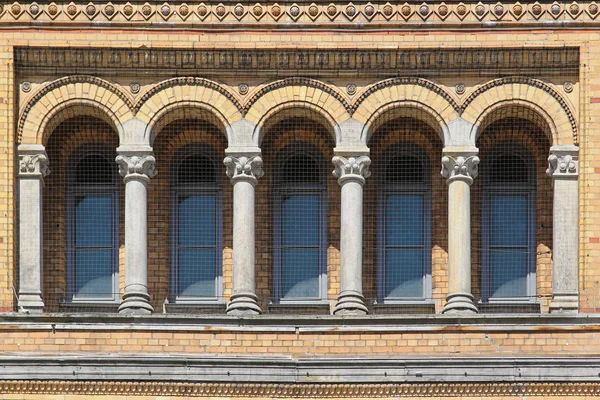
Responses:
[544,341]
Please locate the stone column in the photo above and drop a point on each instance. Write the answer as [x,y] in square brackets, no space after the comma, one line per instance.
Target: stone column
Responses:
[136,170]
[351,173]
[33,167]
[244,171]
[564,169]
[459,171]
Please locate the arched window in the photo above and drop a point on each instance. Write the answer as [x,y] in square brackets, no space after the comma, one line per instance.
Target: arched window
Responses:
[404,228]
[195,227]
[300,225]
[508,228]
[93,225]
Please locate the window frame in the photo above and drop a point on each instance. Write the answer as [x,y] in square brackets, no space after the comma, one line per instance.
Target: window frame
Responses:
[527,189]
[283,190]
[74,190]
[403,151]
[176,190]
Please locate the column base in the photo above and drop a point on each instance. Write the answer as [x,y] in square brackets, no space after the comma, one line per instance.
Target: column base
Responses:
[243,304]
[136,303]
[564,303]
[31,303]
[350,303]
[460,303]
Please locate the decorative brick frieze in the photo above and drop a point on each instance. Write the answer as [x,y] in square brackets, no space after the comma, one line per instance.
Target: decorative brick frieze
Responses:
[214,14]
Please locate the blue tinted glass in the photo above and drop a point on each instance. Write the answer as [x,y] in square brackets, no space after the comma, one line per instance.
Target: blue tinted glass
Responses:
[404,220]
[404,273]
[93,221]
[196,273]
[93,273]
[197,220]
[301,220]
[300,273]
[508,272]
[508,220]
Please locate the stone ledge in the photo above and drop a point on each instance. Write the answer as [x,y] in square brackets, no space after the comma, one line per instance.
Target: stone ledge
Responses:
[212,368]
[305,323]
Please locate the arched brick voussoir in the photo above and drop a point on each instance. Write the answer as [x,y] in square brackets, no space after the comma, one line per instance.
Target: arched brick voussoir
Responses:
[304,92]
[379,96]
[177,94]
[409,109]
[68,97]
[482,106]
[293,109]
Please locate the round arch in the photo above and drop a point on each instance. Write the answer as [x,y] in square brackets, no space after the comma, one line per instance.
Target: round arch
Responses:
[295,109]
[187,98]
[405,93]
[512,93]
[69,97]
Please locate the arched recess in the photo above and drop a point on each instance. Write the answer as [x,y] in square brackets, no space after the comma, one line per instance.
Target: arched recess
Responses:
[182,110]
[436,105]
[173,98]
[519,92]
[69,97]
[405,109]
[295,109]
[296,93]
[517,109]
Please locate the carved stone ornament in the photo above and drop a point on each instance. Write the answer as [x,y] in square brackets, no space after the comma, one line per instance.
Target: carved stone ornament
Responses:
[33,165]
[244,168]
[140,167]
[352,168]
[565,165]
[460,168]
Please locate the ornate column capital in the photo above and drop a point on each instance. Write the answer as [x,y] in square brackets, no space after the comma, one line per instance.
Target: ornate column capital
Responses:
[33,165]
[464,168]
[563,162]
[351,168]
[247,168]
[142,167]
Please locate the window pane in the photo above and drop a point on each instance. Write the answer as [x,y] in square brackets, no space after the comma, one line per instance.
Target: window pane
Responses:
[301,221]
[197,220]
[93,221]
[404,273]
[404,220]
[508,220]
[197,272]
[93,273]
[300,273]
[508,272]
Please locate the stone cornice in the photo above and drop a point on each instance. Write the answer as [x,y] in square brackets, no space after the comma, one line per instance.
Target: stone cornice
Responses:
[433,390]
[317,62]
[300,15]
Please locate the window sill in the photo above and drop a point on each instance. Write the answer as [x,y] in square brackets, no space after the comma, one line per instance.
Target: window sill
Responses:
[195,308]
[510,308]
[404,308]
[81,307]
[308,308]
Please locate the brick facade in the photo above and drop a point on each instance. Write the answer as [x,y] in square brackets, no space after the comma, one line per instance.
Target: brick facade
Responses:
[68,105]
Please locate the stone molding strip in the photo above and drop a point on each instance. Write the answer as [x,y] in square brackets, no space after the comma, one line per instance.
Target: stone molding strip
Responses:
[300,15]
[285,370]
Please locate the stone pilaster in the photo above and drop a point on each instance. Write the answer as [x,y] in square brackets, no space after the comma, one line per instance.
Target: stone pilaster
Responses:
[33,167]
[459,170]
[136,168]
[351,173]
[243,171]
[563,167]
